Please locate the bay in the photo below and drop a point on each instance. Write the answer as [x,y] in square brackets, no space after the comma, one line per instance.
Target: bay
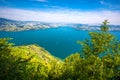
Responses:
[60,42]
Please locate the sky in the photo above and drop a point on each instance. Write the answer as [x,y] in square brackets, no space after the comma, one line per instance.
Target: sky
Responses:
[62,11]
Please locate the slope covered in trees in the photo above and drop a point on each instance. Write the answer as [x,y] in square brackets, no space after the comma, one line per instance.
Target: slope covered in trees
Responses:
[99,59]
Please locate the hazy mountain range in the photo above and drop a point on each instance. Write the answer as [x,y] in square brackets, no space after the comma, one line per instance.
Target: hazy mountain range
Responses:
[13,25]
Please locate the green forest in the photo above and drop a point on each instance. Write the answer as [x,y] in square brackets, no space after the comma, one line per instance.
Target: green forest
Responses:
[99,59]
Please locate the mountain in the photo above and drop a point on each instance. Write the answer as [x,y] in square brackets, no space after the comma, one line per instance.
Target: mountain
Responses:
[33,50]
[95,27]
[12,25]
[3,19]
[5,22]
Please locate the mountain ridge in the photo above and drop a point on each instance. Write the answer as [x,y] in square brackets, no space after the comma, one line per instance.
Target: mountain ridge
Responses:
[13,25]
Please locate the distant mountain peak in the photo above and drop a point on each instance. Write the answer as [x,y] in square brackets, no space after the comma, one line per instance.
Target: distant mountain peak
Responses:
[5,19]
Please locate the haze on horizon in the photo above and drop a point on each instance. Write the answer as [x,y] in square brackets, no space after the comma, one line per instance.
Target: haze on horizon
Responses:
[62,11]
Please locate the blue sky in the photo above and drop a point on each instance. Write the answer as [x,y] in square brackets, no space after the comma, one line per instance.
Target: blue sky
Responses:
[65,11]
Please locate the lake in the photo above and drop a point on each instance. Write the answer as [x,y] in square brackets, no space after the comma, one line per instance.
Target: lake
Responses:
[60,42]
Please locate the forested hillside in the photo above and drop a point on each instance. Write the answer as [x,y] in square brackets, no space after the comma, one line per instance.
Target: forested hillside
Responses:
[99,59]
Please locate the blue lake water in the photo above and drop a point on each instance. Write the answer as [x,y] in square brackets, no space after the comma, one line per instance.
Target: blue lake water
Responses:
[60,42]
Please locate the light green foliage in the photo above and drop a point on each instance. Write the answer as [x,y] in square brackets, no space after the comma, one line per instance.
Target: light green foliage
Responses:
[105,27]
[98,60]
[5,57]
[56,71]
[24,62]
[104,47]
[91,68]
[101,42]
[70,65]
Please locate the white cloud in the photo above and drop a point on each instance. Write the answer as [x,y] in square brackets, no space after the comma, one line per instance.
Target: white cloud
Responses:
[42,0]
[109,5]
[58,16]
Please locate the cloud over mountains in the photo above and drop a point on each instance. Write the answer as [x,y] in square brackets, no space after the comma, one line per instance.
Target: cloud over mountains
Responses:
[64,16]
